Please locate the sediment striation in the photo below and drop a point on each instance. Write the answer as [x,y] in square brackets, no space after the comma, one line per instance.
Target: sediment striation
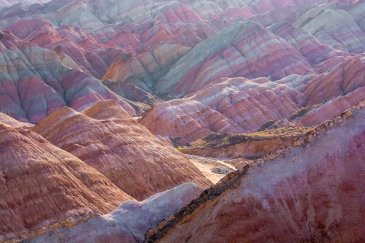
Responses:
[34,82]
[305,193]
[42,184]
[108,139]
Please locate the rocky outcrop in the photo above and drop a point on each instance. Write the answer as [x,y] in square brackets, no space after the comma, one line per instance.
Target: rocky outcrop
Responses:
[41,184]
[307,193]
[108,139]
[130,221]
[249,146]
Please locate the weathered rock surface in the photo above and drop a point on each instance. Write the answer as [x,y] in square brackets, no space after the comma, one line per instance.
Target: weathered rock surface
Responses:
[336,28]
[243,49]
[218,71]
[146,68]
[34,82]
[7,120]
[168,29]
[248,146]
[239,105]
[108,139]
[313,50]
[233,106]
[8,3]
[76,48]
[41,184]
[308,193]
[331,109]
[130,221]
[344,75]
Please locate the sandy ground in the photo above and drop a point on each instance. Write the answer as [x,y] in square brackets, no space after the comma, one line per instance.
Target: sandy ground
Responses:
[212,168]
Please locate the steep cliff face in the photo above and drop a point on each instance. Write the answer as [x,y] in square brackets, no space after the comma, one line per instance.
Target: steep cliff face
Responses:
[42,184]
[307,193]
[119,147]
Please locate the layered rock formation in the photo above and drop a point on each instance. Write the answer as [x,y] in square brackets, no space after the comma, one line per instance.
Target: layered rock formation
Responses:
[308,193]
[42,184]
[145,65]
[160,33]
[345,75]
[75,47]
[336,28]
[244,49]
[330,109]
[34,82]
[7,120]
[235,80]
[130,221]
[108,139]
[313,50]
[240,105]
[232,106]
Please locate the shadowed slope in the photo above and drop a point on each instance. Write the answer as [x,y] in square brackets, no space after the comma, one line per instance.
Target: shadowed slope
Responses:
[130,221]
